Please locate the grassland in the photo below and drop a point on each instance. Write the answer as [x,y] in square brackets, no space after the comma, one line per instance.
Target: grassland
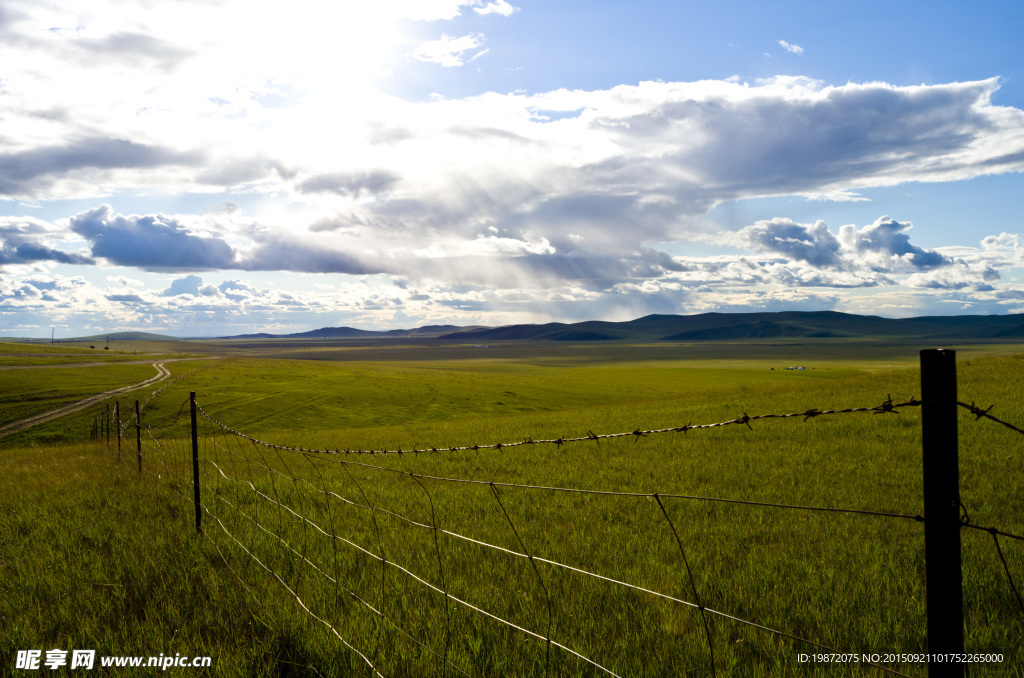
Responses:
[94,555]
[29,392]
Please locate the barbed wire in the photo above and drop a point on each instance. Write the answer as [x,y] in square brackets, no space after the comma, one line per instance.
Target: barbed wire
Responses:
[170,381]
[980,413]
[312,455]
[888,406]
[171,421]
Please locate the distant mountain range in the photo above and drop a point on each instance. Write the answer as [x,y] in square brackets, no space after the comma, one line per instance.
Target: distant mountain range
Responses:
[127,336]
[704,327]
[353,333]
[682,328]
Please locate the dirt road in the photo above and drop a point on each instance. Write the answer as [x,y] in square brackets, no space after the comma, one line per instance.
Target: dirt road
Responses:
[161,374]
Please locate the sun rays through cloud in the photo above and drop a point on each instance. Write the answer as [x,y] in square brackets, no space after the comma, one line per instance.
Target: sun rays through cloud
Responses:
[205,166]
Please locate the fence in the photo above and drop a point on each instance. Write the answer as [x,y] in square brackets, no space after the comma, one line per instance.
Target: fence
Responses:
[233,499]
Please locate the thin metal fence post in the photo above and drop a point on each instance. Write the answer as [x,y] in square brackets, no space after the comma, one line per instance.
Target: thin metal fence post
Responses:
[943,577]
[138,434]
[117,421]
[195,461]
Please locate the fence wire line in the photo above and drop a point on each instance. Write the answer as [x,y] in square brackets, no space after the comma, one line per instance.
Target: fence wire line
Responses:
[384,561]
[1006,569]
[310,563]
[965,521]
[536,558]
[289,589]
[980,413]
[334,581]
[888,406]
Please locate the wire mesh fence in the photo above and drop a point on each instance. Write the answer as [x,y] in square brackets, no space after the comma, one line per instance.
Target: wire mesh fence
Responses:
[406,570]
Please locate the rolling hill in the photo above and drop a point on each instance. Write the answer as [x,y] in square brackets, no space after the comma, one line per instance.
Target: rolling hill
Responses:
[705,327]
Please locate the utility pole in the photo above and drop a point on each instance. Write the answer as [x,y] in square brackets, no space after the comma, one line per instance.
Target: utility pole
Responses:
[51,335]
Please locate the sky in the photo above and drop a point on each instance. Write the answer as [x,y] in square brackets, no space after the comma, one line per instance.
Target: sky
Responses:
[209,168]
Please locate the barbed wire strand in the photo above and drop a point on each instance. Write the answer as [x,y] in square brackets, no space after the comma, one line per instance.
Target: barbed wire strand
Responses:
[172,421]
[886,407]
[983,413]
[828,509]
[170,381]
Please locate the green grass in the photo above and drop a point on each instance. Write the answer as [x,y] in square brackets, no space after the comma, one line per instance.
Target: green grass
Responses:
[24,393]
[95,556]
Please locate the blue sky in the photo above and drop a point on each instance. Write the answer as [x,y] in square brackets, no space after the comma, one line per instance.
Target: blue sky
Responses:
[209,168]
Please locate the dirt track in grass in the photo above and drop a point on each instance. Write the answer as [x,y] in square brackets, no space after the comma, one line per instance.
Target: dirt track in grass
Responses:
[161,374]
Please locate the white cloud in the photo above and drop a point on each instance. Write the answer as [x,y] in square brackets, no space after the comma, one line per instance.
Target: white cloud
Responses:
[514,193]
[448,51]
[789,47]
[498,7]
[958,275]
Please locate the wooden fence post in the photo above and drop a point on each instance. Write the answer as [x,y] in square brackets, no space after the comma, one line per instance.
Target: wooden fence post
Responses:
[943,578]
[195,461]
[106,425]
[138,434]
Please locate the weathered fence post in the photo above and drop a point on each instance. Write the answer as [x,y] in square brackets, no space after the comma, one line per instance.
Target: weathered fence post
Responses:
[195,461]
[106,425]
[117,423]
[943,579]
[138,434]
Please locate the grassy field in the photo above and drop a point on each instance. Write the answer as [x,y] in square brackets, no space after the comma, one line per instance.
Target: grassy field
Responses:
[94,555]
[24,393]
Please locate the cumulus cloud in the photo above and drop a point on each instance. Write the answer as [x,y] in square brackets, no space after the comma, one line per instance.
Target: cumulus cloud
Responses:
[26,240]
[190,284]
[149,242]
[448,51]
[31,252]
[582,191]
[814,244]
[883,246]
[958,275]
